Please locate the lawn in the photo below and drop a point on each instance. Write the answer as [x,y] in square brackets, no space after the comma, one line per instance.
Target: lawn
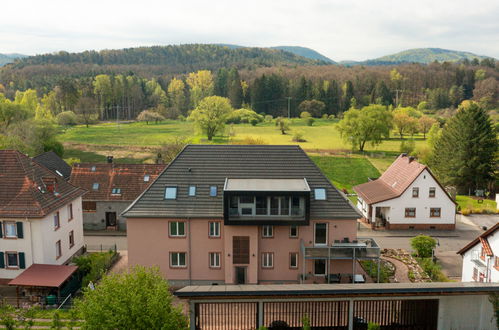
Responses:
[467,203]
[346,172]
[323,135]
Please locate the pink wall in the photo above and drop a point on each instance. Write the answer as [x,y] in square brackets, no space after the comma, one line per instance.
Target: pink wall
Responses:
[149,245]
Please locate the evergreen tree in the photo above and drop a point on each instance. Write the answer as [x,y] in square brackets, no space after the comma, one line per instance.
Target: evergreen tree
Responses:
[465,155]
[234,89]
[347,95]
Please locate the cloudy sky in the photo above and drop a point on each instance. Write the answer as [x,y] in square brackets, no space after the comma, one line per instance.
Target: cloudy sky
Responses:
[346,29]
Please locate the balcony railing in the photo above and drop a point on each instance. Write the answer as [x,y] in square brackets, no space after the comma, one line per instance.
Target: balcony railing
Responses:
[477,259]
[363,248]
[266,212]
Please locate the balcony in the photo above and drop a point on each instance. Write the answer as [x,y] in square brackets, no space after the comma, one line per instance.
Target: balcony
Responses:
[477,259]
[362,249]
[266,202]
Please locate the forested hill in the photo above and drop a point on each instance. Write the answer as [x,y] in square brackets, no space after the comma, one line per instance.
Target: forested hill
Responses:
[178,58]
[421,55]
[9,58]
[305,52]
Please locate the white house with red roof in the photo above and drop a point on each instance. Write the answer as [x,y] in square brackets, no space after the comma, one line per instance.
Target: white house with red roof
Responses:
[481,257]
[406,196]
[40,216]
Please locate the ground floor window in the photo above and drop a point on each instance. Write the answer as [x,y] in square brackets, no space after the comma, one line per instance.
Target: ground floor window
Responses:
[214,259]
[410,212]
[267,260]
[320,267]
[178,259]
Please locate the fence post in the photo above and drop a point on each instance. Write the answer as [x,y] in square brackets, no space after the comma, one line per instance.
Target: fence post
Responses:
[350,314]
[260,314]
[192,315]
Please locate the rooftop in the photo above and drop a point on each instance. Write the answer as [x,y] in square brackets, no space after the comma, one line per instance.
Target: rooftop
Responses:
[115,182]
[266,185]
[245,167]
[483,240]
[40,275]
[30,190]
[54,163]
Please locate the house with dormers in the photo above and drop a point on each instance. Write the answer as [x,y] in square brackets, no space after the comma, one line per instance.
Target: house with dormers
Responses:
[481,257]
[246,214]
[111,188]
[40,216]
[406,196]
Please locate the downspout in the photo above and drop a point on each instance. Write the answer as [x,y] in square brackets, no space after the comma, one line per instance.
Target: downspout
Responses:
[30,241]
[189,249]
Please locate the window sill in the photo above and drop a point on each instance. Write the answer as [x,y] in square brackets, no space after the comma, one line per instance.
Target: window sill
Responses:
[10,237]
[178,267]
[12,268]
[177,236]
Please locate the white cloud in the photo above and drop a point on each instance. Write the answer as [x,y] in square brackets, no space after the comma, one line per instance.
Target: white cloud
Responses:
[339,29]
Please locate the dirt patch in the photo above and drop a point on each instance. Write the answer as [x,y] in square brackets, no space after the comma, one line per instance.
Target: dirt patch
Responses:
[118,151]
[414,272]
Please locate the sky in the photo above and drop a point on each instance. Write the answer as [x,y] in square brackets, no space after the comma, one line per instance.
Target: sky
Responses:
[340,30]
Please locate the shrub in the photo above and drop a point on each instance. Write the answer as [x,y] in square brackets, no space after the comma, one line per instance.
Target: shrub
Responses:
[325,116]
[465,211]
[298,137]
[181,118]
[73,160]
[94,265]
[433,270]
[252,140]
[423,245]
[373,326]
[407,146]
[67,118]
[331,117]
[244,116]
[148,115]
[305,114]
[254,121]
[283,125]
[310,121]
[268,118]
[53,145]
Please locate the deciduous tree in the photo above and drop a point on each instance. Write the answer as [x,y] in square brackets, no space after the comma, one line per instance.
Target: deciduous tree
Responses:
[211,114]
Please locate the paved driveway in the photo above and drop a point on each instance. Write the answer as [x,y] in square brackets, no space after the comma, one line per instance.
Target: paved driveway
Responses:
[450,241]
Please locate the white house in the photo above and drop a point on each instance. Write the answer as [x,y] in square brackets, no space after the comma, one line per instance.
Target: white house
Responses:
[481,257]
[406,196]
[40,216]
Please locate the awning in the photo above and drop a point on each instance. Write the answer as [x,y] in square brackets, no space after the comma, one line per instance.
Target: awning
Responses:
[281,185]
[40,275]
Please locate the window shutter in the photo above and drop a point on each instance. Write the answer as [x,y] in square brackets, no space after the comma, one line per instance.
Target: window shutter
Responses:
[2,260]
[1,229]
[22,261]
[20,233]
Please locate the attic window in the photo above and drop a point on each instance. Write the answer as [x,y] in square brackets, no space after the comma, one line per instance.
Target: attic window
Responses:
[192,190]
[171,193]
[146,178]
[320,194]
[93,169]
[95,186]
[116,191]
[213,191]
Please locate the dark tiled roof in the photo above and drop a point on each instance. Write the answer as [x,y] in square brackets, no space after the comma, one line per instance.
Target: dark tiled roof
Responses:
[209,165]
[23,192]
[129,178]
[483,240]
[54,163]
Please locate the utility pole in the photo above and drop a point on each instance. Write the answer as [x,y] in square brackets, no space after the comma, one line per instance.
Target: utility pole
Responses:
[397,97]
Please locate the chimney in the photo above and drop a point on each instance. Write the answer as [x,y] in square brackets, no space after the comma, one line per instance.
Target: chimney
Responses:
[109,159]
[411,158]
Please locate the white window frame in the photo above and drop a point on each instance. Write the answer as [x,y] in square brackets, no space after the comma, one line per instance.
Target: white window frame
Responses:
[7,265]
[57,224]
[434,189]
[315,236]
[58,249]
[147,177]
[214,229]
[178,264]
[320,197]
[177,228]
[10,223]
[213,191]
[116,191]
[267,260]
[171,189]
[214,258]
[267,231]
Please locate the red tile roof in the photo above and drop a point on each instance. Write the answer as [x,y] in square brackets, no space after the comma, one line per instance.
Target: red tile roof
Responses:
[394,181]
[41,275]
[24,191]
[127,177]
[483,240]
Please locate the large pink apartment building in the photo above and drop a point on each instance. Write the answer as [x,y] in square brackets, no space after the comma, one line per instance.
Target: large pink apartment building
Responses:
[234,214]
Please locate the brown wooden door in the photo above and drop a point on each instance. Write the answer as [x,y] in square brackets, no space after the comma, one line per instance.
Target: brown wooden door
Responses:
[240,250]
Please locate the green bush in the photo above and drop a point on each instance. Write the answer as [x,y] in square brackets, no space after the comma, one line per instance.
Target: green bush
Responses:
[371,268]
[53,145]
[432,269]
[244,116]
[373,326]
[423,245]
[94,265]
[305,115]
[67,118]
[310,121]
[298,137]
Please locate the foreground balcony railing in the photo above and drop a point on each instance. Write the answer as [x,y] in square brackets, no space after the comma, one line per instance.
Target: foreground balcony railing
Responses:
[266,212]
[363,248]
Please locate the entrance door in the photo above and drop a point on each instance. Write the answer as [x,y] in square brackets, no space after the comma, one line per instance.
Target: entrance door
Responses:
[240,275]
[111,219]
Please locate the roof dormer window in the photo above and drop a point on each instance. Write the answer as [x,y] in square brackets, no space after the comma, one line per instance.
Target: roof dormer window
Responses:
[95,186]
[147,178]
[116,191]
[93,168]
[320,194]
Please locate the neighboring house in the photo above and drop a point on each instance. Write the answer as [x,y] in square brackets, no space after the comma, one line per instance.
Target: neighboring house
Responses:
[243,214]
[40,215]
[111,188]
[406,196]
[54,163]
[481,257]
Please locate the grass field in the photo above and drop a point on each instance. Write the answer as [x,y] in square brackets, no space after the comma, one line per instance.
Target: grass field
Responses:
[323,135]
[474,206]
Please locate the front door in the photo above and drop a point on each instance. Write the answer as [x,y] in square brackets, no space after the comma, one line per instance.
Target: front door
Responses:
[240,275]
[111,219]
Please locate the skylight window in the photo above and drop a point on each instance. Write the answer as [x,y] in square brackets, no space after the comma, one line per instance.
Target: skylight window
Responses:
[116,191]
[171,193]
[320,194]
[213,191]
[59,173]
[93,169]
[95,186]
[192,190]
[147,178]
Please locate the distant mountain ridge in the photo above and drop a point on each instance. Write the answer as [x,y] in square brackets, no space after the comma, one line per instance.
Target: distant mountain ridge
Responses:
[297,50]
[419,55]
[9,58]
